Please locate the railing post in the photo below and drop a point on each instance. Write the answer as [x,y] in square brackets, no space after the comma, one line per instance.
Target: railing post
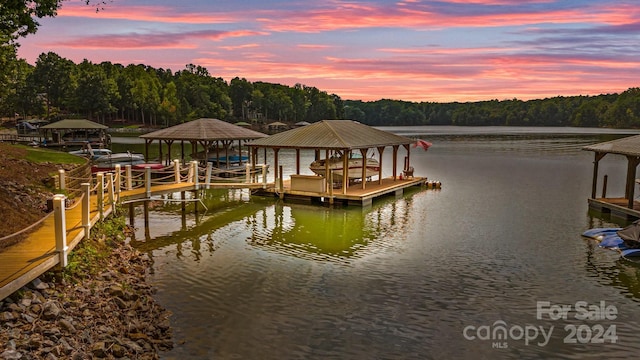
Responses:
[62,182]
[147,181]
[248,173]
[60,228]
[208,175]
[100,180]
[86,209]
[194,173]
[118,179]
[129,178]
[176,170]
[112,197]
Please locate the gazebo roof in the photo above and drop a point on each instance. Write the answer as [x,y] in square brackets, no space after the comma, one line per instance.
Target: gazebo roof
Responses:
[332,134]
[204,130]
[74,124]
[626,146]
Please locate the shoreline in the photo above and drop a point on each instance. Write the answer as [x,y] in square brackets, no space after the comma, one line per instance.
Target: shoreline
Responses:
[100,306]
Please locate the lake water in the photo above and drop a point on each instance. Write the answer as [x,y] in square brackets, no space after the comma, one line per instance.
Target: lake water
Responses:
[435,274]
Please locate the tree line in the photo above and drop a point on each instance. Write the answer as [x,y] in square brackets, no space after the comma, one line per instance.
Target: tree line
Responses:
[56,88]
[607,110]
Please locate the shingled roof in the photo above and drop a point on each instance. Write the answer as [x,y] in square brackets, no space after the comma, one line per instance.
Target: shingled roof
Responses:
[332,134]
[204,130]
[626,146]
[79,124]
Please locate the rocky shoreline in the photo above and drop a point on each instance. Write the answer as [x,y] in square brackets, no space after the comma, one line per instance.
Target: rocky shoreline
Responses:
[110,314]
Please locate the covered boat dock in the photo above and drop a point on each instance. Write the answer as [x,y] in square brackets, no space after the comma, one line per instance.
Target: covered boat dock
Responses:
[626,207]
[213,135]
[338,139]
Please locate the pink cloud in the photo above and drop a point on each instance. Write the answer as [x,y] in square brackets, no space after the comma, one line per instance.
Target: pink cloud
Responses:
[150,41]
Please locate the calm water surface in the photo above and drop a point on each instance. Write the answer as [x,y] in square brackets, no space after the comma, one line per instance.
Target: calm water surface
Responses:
[254,278]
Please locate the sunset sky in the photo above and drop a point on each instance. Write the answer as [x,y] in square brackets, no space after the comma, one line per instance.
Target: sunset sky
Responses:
[414,50]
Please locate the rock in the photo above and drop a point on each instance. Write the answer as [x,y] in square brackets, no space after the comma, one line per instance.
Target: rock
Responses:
[28,318]
[51,310]
[116,290]
[66,325]
[6,316]
[118,351]
[99,349]
[11,355]
[25,302]
[39,284]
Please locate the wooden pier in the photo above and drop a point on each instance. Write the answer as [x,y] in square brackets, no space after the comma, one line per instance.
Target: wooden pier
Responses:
[43,249]
[355,195]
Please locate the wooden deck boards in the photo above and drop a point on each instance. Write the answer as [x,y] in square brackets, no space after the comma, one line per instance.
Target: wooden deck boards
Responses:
[355,194]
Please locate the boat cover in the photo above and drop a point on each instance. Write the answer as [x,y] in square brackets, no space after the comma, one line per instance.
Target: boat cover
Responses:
[631,235]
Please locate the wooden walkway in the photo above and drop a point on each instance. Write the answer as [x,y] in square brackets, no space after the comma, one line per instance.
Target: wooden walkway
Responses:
[32,257]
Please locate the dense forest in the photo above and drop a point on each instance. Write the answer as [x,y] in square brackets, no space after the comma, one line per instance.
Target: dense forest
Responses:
[56,88]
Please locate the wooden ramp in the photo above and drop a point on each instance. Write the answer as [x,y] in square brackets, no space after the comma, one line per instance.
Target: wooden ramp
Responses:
[32,257]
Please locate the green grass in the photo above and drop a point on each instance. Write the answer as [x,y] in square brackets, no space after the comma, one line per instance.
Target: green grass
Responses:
[40,155]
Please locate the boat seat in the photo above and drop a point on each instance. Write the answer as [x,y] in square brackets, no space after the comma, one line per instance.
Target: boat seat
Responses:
[408,172]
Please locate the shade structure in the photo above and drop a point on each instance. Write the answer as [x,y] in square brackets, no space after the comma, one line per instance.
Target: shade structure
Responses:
[333,134]
[337,136]
[204,132]
[79,124]
[204,129]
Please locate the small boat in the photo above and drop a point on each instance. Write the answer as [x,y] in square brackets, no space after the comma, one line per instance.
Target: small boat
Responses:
[336,165]
[233,158]
[91,153]
[109,162]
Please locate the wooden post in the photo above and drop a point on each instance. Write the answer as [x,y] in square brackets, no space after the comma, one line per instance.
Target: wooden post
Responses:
[363,152]
[61,180]
[380,151]
[194,168]
[281,183]
[395,162]
[297,161]
[176,171]
[604,186]
[264,176]
[60,228]
[129,177]
[100,180]
[111,192]
[86,209]
[147,181]
[248,173]
[117,180]
[208,174]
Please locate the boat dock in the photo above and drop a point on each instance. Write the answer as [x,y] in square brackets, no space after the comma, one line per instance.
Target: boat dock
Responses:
[355,195]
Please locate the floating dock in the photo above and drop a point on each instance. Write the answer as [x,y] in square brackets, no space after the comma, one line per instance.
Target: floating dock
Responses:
[355,195]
